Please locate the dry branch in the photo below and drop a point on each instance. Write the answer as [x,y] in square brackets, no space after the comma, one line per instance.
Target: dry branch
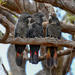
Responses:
[65,52]
[40,41]
[8,16]
[68,5]
[69,28]
[20,6]
[66,67]
[6,9]
[2,21]
[5,69]
[8,25]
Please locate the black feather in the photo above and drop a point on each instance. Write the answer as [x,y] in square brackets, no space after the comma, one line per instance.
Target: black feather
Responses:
[21,30]
[53,30]
[36,30]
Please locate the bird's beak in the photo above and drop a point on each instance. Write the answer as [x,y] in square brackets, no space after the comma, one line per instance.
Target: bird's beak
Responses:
[45,23]
[29,19]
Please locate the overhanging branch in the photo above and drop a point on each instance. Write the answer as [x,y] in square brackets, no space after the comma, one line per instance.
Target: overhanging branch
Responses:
[6,9]
[8,15]
[68,28]
[68,5]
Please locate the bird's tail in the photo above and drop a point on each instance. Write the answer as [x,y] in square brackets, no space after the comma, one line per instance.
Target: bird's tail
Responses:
[34,49]
[19,54]
[55,57]
[51,57]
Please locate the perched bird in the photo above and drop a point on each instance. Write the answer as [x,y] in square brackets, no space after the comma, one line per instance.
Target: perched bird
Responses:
[20,31]
[53,30]
[36,30]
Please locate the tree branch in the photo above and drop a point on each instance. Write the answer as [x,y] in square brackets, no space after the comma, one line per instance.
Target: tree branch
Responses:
[25,5]
[6,9]
[40,41]
[2,21]
[69,28]
[5,69]
[65,52]
[8,16]
[67,67]
[68,5]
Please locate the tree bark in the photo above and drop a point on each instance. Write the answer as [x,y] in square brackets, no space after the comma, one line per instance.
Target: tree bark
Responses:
[8,16]
[68,5]
[41,41]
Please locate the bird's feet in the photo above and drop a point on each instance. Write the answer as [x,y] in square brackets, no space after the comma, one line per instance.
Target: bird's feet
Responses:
[19,58]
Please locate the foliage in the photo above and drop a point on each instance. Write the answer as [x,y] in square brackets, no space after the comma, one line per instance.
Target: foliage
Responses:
[2,2]
[70,18]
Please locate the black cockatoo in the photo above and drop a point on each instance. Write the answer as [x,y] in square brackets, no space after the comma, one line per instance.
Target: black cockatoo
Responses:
[53,30]
[36,30]
[20,31]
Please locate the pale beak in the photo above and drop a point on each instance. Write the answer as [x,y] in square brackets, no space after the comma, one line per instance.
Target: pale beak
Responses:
[45,23]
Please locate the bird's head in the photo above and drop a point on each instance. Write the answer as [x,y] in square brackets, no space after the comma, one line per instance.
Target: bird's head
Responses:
[39,17]
[25,17]
[53,19]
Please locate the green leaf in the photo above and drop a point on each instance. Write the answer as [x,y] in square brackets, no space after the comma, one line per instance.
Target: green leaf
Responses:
[0,1]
